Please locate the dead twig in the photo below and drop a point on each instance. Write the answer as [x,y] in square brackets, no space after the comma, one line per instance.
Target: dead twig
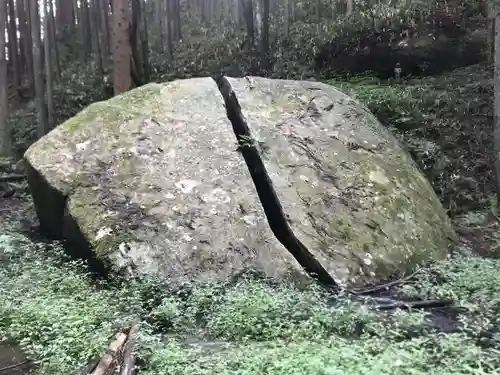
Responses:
[388,285]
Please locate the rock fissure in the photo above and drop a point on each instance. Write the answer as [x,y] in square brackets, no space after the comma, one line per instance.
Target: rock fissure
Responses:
[265,189]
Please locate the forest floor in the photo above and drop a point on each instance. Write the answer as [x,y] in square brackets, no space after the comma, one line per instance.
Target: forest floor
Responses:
[61,316]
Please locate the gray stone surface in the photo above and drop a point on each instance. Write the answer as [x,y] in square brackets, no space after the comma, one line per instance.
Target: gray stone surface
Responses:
[156,184]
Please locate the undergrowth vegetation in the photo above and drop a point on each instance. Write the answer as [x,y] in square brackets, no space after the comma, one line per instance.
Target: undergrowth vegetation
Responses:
[63,317]
[445,123]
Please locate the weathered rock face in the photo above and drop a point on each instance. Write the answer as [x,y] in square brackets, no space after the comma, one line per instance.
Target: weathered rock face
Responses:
[153,181]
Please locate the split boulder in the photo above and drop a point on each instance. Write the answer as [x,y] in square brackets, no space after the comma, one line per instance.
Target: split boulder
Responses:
[153,182]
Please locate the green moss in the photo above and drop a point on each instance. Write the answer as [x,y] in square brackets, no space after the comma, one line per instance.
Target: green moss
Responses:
[386,196]
[84,205]
[113,112]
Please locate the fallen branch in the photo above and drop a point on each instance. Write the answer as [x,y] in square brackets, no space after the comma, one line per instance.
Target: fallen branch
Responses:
[108,362]
[120,354]
[12,178]
[416,305]
[128,362]
[11,367]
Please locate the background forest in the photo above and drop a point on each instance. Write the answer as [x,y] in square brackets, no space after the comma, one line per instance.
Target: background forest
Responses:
[424,68]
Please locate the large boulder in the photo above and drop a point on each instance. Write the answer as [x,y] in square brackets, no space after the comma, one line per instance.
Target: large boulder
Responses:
[153,182]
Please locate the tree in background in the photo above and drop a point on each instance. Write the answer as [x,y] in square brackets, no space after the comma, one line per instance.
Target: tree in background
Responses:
[41,109]
[120,47]
[49,63]
[494,24]
[13,47]
[5,140]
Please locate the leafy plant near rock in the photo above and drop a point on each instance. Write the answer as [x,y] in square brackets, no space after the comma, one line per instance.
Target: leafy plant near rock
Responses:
[63,317]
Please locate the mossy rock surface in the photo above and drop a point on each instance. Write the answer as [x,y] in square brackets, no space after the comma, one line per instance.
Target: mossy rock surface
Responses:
[153,182]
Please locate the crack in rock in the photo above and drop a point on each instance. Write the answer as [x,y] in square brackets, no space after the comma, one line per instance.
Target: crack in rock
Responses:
[265,190]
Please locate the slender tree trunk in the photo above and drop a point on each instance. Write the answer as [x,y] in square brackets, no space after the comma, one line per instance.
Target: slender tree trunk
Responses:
[496,90]
[286,6]
[121,47]
[350,7]
[318,16]
[86,33]
[168,27]
[5,140]
[55,46]
[47,43]
[236,11]
[144,42]
[178,26]
[160,22]
[204,11]
[94,31]
[77,46]
[135,44]
[257,13]
[25,38]
[265,33]
[14,57]
[103,9]
[64,16]
[42,126]
[249,21]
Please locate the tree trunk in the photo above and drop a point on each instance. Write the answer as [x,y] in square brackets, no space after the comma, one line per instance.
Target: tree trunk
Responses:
[75,47]
[249,22]
[135,44]
[490,32]
[286,17]
[85,24]
[64,17]
[168,27]
[42,126]
[265,33]
[14,57]
[143,31]
[103,11]
[47,44]
[25,39]
[318,16]
[5,140]
[121,47]
[177,18]
[54,47]
[236,11]
[160,22]
[257,12]
[496,91]
[350,7]
[94,30]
